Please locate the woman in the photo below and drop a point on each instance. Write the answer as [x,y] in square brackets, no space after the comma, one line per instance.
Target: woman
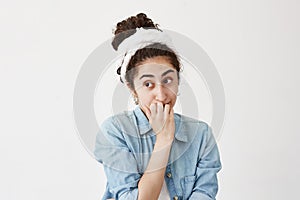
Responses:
[152,152]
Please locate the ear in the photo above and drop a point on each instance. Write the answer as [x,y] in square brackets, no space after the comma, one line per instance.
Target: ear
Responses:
[132,90]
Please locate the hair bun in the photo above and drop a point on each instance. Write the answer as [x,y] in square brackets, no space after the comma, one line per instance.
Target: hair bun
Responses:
[126,28]
[141,15]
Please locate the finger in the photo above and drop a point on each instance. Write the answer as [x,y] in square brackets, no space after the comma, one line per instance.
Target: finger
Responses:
[153,108]
[147,112]
[167,111]
[160,108]
[171,114]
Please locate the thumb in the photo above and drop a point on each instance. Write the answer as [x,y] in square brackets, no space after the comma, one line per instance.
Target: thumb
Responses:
[147,112]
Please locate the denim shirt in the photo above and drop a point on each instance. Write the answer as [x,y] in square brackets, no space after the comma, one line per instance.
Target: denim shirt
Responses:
[124,146]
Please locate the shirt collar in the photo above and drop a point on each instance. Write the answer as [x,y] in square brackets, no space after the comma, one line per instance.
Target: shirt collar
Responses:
[145,127]
[142,121]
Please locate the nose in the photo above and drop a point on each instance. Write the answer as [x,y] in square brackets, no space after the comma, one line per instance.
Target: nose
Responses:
[160,93]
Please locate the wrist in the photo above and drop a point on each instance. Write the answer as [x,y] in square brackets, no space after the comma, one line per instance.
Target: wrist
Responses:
[163,142]
[165,137]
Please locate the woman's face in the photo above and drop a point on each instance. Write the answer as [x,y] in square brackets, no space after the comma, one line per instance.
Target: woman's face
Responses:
[156,81]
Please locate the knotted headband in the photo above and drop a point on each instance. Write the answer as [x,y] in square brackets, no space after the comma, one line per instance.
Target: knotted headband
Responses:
[140,39]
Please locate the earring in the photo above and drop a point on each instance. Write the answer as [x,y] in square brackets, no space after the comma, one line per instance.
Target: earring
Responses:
[136,100]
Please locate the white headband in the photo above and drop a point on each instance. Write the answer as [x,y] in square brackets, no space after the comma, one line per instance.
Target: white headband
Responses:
[140,39]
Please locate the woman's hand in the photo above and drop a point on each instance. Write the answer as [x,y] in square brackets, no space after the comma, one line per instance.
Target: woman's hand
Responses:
[161,119]
[162,122]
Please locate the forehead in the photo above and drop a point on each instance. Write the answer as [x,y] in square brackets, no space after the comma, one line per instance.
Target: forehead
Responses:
[155,65]
[154,68]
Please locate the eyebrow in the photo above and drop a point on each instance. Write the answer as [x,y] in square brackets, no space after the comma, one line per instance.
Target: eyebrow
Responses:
[163,74]
[166,72]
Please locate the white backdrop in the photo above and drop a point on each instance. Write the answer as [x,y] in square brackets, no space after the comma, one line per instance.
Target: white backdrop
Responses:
[254,45]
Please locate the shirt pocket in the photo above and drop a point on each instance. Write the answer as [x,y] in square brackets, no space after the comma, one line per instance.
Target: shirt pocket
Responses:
[187,185]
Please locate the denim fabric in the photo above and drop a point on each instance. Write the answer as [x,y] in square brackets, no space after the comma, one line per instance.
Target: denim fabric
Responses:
[124,146]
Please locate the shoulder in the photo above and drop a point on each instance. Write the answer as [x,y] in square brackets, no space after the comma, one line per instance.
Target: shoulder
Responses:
[189,122]
[192,128]
[115,119]
[118,123]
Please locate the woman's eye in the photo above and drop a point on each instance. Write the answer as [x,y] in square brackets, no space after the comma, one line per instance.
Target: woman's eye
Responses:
[167,80]
[148,84]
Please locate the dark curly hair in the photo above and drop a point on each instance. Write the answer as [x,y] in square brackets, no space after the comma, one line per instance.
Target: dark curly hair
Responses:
[125,29]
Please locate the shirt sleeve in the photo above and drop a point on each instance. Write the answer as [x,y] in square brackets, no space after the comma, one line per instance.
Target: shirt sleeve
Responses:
[209,164]
[120,165]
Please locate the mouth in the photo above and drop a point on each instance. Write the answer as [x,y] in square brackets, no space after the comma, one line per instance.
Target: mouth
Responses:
[167,103]
[164,104]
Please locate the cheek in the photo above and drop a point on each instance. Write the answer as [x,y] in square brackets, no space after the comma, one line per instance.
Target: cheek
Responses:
[173,90]
[145,97]
[173,94]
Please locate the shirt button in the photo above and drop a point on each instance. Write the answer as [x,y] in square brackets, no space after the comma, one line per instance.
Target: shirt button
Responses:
[175,198]
[169,175]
